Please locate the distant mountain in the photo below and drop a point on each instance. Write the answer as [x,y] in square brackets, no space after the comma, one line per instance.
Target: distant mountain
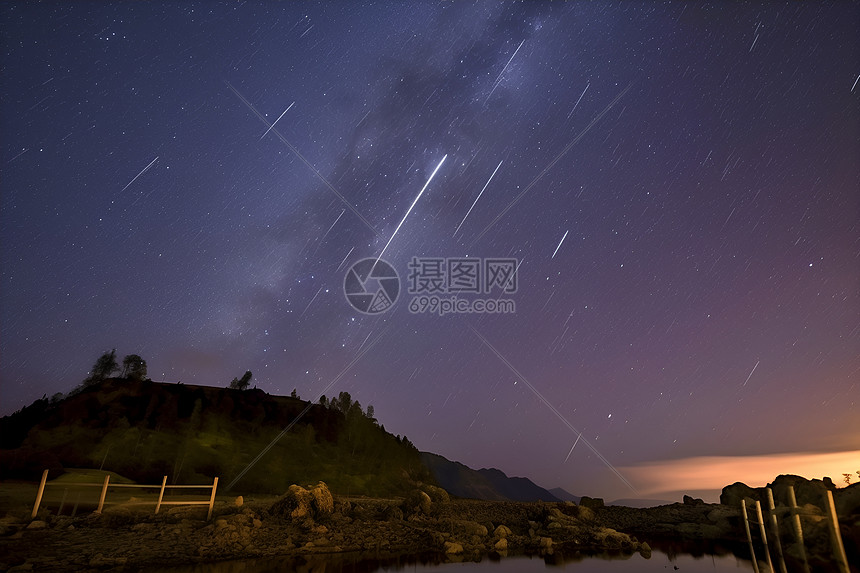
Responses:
[640,503]
[486,484]
[564,495]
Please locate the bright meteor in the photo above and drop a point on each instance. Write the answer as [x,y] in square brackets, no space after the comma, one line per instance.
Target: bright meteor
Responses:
[410,209]
[277,120]
[559,244]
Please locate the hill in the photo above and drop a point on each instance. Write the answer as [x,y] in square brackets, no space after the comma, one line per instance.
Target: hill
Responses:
[145,430]
[564,495]
[485,484]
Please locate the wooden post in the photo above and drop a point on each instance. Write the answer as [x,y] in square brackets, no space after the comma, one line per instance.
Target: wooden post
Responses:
[160,495]
[749,535]
[212,499]
[775,526]
[39,494]
[104,493]
[798,530]
[763,534]
[835,535]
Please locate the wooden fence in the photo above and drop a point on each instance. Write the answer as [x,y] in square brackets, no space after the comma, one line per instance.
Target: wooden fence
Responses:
[104,490]
[837,547]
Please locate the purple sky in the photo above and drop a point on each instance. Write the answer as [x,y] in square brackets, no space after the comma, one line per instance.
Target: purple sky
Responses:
[677,182]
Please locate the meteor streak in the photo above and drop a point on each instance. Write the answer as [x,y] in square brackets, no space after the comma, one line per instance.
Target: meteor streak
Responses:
[479,196]
[559,244]
[277,120]
[139,174]
[499,77]
[571,448]
[409,211]
[751,372]
[579,100]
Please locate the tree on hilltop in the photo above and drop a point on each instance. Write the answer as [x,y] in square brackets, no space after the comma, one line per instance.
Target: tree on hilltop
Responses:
[134,368]
[242,383]
[103,368]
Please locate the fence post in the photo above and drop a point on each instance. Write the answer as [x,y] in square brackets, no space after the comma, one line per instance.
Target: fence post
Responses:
[104,493]
[39,494]
[160,495]
[749,535]
[775,525]
[212,499]
[763,534]
[835,535]
[798,530]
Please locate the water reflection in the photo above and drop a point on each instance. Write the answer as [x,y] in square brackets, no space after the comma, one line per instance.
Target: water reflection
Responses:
[660,561]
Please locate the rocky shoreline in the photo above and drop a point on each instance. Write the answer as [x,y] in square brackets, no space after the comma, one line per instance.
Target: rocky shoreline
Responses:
[308,522]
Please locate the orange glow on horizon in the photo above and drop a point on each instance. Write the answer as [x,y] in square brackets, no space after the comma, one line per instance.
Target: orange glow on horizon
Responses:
[716,472]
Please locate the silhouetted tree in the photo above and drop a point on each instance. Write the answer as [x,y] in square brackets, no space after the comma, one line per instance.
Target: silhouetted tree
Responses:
[103,368]
[242,383]
[294,394]
[134,367]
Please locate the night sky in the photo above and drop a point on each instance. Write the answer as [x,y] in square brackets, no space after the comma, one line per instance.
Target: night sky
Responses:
[678,183]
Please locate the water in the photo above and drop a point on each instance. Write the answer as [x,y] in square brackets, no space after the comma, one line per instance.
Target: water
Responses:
[659,562]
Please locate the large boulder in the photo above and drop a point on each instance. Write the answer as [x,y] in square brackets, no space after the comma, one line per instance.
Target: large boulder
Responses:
[591,502]
[733,494]
[806,491]
[417,502]
[848,500]
[300,503]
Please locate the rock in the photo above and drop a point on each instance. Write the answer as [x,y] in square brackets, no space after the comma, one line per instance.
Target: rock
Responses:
[323,499]
[436,494]
[37,525]
[501,545]
[546,542]
[425,503]
[417,502]
[240,501]
[847,500]
[257,523]
[733,494]
[502,532]
[693,501]
[391,513]
[591,502]
[805,491]
[299,503]
[452,548]
[645,550]
[474,528]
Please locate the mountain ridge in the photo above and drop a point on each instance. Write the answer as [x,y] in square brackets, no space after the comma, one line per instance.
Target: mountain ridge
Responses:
[489,484]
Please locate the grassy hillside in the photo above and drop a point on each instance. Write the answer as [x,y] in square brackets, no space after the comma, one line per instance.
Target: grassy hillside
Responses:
[145,430]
